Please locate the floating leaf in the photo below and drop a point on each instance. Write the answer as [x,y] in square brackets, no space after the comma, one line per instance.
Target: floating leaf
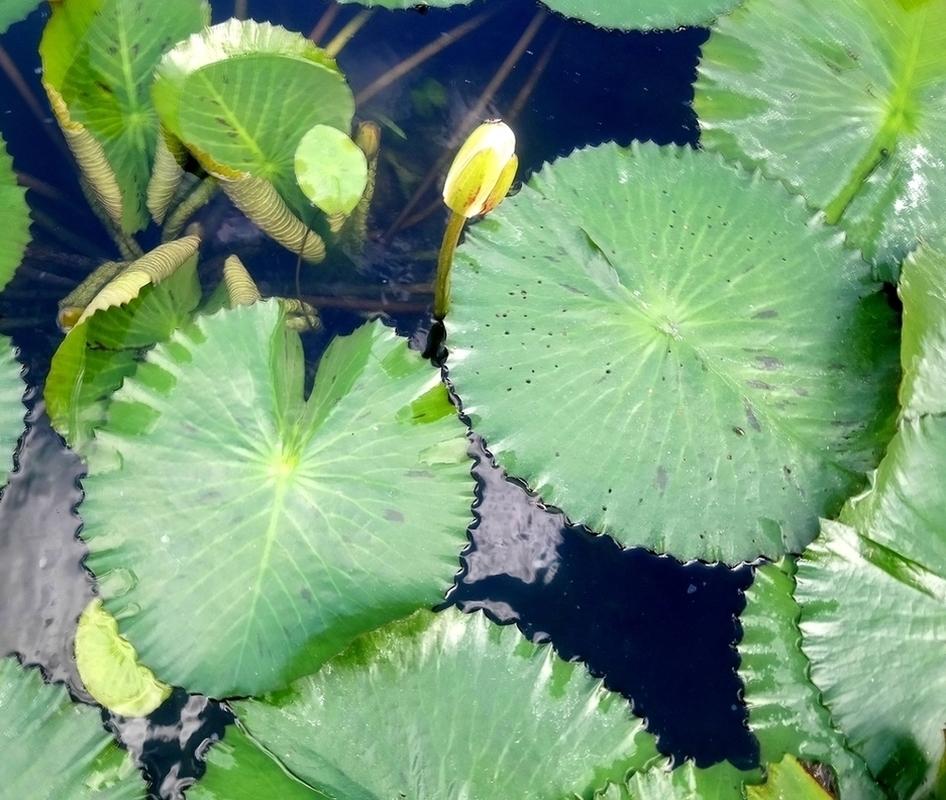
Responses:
[624,14]
[449,705]
[53,747]
[331,169]
[845,102]
[673,352]
[785,712]
[872,587]
[98,58]
[14,10]
[241,95]
[14,218]
[277,528]
[109,668]
[98,354]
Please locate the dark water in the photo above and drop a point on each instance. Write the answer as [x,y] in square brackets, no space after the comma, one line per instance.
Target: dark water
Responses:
[661,633]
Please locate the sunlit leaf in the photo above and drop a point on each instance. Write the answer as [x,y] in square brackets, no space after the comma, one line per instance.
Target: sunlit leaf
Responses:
[331,169]
[11,405]
[98,58]
[845,102]
[788,779]
[685,782]
[54,748]
[247,534]
[785,711]
[449,705]
[673,352]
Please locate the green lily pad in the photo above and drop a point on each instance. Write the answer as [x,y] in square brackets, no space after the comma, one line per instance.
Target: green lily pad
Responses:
[788,779]
[98,58]
[98,354]
[673,352]
[14,10]
[845,102]
[14,218]
[278,528]
[241,95]
[623,14]
[53,747]
[449,705]
[331,169]
[785,711]
[872,587]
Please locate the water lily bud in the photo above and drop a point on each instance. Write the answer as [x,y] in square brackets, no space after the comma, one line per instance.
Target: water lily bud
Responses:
[482,170]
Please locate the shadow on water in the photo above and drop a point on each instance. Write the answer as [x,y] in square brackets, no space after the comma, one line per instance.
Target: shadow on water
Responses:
[660,633]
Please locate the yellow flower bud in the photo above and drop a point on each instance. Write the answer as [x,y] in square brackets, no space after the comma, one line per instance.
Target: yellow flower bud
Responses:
[482,170]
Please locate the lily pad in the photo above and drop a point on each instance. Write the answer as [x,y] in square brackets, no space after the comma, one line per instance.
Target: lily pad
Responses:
[14,218]
[241,95]
[277,528]
[845,102]
[331,169]
[785,711]
[673,352]
[449,705]
[98,58]
[623,14]
[872,587]
[53,747]
[14,10]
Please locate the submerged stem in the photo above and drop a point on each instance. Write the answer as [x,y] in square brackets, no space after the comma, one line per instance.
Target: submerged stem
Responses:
[333,48]
[444,264]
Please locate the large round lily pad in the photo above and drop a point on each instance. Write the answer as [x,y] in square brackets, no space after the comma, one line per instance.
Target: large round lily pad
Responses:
[246,534]
[673,352]
[242,94]
[53,747]
[845,102]
[450,705]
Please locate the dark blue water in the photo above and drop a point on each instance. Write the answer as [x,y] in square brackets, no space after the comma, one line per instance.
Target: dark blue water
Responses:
[661,633]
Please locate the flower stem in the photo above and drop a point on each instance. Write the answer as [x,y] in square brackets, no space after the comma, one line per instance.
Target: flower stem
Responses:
[444,263]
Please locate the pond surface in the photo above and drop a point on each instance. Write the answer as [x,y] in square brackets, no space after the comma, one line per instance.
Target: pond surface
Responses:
[661,633]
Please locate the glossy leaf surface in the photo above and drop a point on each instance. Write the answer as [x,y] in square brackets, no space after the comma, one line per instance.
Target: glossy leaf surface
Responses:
[673,352]
[872,587]
[241,95]
[450,705]
[331,169]
[785,712]
[55,749]
[99,56]
[247,534]
[687,782]
[845,102]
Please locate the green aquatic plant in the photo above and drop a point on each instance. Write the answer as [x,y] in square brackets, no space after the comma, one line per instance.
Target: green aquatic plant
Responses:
[713,368]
